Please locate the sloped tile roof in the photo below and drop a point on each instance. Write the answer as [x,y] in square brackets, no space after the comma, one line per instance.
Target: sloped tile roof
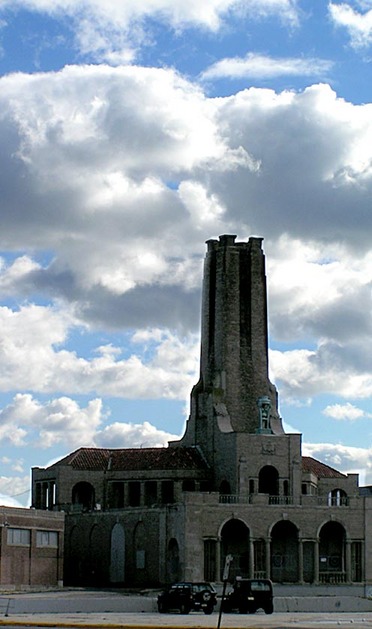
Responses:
[101,459]
[321,470]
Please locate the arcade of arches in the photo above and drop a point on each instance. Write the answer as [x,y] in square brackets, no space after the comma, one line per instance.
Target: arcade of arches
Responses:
[284,556]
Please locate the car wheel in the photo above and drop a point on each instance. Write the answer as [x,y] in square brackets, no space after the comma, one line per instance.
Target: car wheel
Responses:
[206,596]
[161,607]
[208,610]
[184,608]
[243,609]
[269,609]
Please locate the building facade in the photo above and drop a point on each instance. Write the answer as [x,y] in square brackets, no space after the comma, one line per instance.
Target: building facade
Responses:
[31,547]
[235,483]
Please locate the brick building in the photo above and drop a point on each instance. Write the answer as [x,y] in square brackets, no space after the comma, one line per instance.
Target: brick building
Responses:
[235,483]
[31,547]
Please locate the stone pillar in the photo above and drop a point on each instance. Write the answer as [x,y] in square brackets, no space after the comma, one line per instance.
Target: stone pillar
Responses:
[316,561]
[251,558]
[300,561]
[268,558]
[218,559]
[348,561]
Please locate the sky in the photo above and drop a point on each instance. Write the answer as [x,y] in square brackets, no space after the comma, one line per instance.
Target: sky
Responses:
[132,131]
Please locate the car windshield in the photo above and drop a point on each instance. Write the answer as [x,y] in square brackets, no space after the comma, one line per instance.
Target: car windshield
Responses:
[260,586]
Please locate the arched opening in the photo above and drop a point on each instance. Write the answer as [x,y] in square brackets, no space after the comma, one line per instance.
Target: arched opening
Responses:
[73,566]
[83,495]
[332,553]
[117,554]
[235,542]
[225,488]
[173,561]
[337,498]
[284,552]
[268,481]
[96,553]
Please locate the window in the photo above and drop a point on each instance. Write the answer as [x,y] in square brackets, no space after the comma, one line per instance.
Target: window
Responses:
[47,538]
[337,498]
[19,537]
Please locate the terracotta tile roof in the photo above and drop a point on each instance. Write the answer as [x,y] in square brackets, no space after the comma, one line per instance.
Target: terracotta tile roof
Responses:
[101,459]
[321,470]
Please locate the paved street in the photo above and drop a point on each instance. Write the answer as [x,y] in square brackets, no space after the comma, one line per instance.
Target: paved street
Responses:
[85,608]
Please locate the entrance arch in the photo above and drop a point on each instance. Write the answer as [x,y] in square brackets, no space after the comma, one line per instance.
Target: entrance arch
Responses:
[332,560]
[284,552]
[235,542]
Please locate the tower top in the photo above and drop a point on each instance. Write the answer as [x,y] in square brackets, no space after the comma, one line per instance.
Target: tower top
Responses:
[234,345]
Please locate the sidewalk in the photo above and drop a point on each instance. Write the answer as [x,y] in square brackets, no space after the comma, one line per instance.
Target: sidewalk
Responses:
[196,620]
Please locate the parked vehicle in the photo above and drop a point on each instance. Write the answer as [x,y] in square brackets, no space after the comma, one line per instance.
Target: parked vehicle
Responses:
[186,596]
[249,595]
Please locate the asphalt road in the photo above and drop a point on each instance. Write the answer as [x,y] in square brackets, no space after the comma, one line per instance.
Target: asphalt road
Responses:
[95,609]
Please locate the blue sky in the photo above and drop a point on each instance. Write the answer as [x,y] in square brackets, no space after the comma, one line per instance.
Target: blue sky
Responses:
[132,132]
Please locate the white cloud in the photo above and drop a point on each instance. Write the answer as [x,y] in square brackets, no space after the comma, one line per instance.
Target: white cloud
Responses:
[14,490]
[126,171]
[124,435]
[113,30]
[346,459]
[345,411]
[62,421]
[357,24]
[29,356]
[258,66]
[27,421]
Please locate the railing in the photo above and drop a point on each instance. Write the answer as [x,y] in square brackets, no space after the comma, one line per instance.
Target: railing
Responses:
[280,500]
[263,499]
[234,499]
[333,578]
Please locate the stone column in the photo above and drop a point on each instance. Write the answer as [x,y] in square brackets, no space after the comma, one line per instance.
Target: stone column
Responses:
[316,561]
[348,561]
[300,561]
[218,559]
[251,558]
[268,558]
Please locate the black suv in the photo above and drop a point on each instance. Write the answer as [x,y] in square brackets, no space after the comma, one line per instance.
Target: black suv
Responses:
[249,595]
[185,597]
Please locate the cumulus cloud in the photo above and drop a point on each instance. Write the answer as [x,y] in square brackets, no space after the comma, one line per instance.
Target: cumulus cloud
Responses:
[124,435]
[122,173]
[345,412]
[258,66]
[26,421]
[14,490]
[113,30]
[30,357]
[358,24]
[346,459]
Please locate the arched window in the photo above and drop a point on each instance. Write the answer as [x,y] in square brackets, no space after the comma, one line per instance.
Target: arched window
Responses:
[268,481]
[83,495]
[225,487]
[337,498]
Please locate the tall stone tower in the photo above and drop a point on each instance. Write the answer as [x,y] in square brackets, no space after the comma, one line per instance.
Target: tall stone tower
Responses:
[234,396]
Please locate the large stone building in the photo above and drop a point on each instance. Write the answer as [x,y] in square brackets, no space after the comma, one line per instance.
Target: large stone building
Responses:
[235,483]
